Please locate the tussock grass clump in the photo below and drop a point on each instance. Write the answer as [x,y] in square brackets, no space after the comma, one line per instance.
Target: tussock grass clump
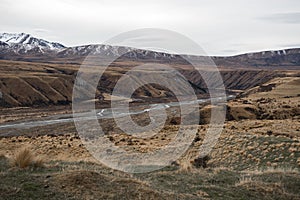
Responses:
[191,161]
[24,158]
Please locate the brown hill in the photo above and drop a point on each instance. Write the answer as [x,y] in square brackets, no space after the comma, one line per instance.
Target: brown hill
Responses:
[30,84]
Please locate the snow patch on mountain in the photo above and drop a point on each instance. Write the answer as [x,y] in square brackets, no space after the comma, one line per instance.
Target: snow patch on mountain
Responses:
[22,42]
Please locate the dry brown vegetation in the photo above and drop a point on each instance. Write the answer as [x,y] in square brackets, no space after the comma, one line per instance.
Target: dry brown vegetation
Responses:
[257,155]
[24,157]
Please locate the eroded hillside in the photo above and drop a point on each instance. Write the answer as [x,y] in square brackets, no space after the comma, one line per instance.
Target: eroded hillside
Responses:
[42,84]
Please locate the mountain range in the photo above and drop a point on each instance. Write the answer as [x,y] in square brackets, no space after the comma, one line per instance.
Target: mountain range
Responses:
[24,47]
[47,77]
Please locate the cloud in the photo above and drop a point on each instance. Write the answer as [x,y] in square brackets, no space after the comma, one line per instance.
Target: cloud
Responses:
[286,18]
[40,30]
[229,51]
[232,25]
[291,45]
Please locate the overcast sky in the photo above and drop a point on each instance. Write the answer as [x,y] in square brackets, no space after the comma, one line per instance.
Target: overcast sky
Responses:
[224,27]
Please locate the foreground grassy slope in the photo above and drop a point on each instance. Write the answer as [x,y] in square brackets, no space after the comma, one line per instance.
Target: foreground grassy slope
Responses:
[84,180]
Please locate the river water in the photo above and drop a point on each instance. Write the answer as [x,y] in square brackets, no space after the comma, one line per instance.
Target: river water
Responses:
[101,114]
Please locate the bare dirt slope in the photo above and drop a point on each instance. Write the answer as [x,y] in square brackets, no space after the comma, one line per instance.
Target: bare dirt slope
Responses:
[28,84]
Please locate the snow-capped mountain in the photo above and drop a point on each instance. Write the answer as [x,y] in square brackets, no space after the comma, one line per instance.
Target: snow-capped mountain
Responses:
[113,51]
[23,43]
[25,47]
[278,58]
[85,50]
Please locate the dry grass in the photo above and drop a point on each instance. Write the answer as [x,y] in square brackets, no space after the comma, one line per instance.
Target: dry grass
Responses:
[263,187]
[24,158]
[272,170]
[280,170]
[39,162]
[190,161]
[186,161]
[244,179]
[253,184]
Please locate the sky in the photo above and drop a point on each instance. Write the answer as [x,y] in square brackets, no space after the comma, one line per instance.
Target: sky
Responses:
[227,27]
